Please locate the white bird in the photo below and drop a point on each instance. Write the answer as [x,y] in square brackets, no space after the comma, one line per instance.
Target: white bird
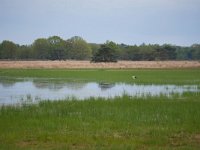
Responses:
[134,77]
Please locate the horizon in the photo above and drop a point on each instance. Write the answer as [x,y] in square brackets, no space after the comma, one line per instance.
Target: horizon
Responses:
[102,42]
[131,22]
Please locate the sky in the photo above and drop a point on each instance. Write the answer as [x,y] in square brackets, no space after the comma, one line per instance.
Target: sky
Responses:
[131,22]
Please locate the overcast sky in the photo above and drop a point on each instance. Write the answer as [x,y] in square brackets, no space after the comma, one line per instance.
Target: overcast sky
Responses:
[122,21]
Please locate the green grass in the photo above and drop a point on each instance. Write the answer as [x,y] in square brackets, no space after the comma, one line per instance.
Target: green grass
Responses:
[123,123]
[144,76]
[120,123]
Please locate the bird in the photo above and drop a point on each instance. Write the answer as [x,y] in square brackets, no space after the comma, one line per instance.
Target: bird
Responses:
[134,77]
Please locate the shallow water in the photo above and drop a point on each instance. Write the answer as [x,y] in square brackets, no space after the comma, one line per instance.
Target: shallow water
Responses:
[31,90]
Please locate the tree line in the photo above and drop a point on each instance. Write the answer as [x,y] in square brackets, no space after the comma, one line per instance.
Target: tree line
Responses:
[76,48]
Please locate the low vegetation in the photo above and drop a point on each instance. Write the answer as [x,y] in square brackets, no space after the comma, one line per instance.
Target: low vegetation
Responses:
[144,76]
[123,123]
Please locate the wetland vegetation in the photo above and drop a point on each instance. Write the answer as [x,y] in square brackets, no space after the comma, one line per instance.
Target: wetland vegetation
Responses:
[152,122]
[144,76]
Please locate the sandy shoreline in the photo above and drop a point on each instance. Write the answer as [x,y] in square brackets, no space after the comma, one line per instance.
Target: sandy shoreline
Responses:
[87,64]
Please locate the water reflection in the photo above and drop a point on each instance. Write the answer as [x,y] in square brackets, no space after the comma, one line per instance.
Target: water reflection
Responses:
[57,85]
[106,86]
[7,82]
[32,90]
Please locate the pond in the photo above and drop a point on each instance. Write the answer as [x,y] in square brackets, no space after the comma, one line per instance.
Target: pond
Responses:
[20,90]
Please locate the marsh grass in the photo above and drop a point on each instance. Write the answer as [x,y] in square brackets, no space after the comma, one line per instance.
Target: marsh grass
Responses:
[121,123]
[144,76]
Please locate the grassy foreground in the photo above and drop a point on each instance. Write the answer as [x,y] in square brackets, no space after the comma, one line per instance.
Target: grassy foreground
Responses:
[120,123]
[123,123]
[144,76]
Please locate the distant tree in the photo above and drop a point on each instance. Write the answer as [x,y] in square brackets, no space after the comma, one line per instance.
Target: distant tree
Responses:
[122,51]
[182,53]
[160,54]
[41,48]
[195,51]
[78,48]
[57,48]
[25,52]
[8,50]
[170,51]
[147,52]
[165,52]
[106,53]
[137,53]
[133,53]
[94,47]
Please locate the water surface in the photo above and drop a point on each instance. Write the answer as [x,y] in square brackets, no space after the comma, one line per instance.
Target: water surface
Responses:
[20,90]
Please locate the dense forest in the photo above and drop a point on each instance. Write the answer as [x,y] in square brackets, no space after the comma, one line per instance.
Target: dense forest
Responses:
[76,48]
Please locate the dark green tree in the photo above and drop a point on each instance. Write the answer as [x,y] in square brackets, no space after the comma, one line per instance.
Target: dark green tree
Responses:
[106,53]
